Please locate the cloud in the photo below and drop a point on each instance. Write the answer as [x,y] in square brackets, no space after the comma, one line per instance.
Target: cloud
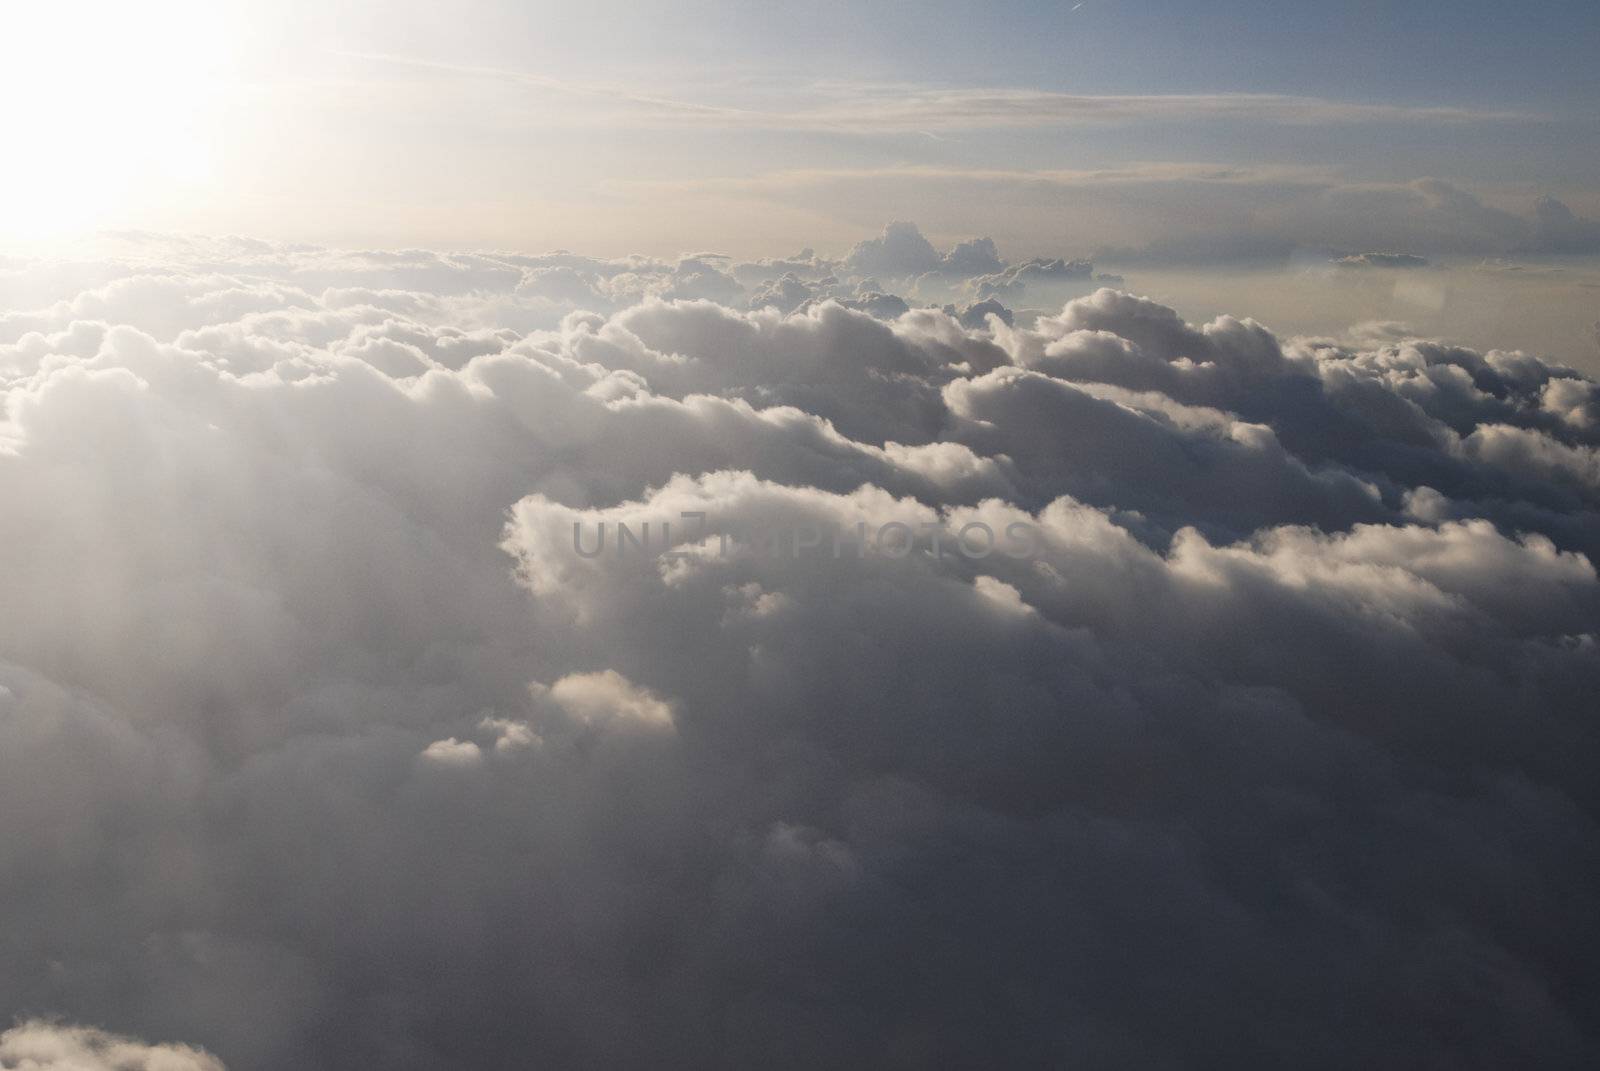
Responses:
[43,1046]
[452,752]
[1258,728]
[900,250]
[1382,260]
[864,107]
[1012,282]
[1558,229]
[1161,214]
[608,697]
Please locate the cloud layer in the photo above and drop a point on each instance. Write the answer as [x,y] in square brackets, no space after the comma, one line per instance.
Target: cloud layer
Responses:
[861,107]
[1167,213]
[322,744]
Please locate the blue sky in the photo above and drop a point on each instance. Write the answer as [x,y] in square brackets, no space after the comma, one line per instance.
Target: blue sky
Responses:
[1469,52]
[1473,53]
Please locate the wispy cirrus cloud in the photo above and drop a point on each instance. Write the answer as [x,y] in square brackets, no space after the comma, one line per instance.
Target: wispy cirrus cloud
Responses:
[888,107]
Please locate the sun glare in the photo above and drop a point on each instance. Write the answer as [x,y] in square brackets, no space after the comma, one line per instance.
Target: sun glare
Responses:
[110,106]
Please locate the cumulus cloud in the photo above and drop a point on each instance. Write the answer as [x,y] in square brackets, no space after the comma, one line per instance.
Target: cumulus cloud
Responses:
[1559,229]
[1012,282]
[902,252]
[453,752]
[328,739]
[43,1046]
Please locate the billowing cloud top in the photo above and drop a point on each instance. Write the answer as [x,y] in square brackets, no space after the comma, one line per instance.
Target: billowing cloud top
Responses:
[325,744]
[46,1046]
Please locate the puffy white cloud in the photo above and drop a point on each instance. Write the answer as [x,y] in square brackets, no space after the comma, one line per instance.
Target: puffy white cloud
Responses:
[901,251]
[43,1046]
[453,752]
[1258,727]
[607,697]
